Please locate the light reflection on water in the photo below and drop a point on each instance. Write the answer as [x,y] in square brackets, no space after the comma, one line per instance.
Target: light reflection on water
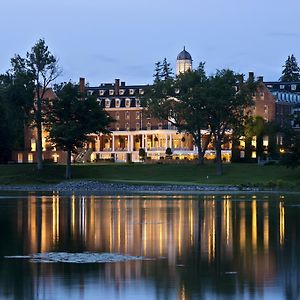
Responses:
[203,246]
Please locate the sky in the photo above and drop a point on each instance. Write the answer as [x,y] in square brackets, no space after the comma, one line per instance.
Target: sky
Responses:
[104,40]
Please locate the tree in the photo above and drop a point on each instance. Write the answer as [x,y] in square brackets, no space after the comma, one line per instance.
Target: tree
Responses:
[166,70]
[291,70]
[157,72]
[42,67]
[72,117]
[227,98]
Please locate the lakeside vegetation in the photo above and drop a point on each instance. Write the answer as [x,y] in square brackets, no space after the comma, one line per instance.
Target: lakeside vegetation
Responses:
[234,174]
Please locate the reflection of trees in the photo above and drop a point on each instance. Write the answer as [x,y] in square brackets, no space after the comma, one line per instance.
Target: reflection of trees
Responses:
[194,242]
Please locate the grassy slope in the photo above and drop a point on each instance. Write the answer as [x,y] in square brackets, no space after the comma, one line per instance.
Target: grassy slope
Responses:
[155,173]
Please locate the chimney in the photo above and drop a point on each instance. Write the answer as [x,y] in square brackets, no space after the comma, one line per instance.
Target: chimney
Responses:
[117,86]
[251,76]
[81,85]
[260,78]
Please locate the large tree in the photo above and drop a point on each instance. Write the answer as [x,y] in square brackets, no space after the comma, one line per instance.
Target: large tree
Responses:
[228,97]
[42,67]
[291,70]
[71,117]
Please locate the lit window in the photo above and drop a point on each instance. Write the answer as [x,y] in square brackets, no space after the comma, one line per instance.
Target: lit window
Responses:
[30,157]
[266,109]
[121,92]
[107,103]
[242,154]
[117,115]
[55,157]
[253,155]
[127,115]
[33,145]
[127,126]
[138,126]
[293,87]
[137,115]
[101,92]
[148,126]
[265,141]
[117,126]
[160,125]
[20,157]
[138,102]
[111,92]
[127,102]
[118,102]
[141,91]
[253,142]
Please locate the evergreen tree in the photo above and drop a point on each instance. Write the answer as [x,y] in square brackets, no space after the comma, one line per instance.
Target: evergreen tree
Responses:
[157,72]
[166,70]
[291,70]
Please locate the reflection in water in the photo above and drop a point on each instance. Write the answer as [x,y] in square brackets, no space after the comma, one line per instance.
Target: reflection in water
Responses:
[195,242]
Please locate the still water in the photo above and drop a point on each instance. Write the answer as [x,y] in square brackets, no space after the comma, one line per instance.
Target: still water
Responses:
[187,247]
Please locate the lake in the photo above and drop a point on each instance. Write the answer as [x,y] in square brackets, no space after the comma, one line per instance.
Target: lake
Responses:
[149,247]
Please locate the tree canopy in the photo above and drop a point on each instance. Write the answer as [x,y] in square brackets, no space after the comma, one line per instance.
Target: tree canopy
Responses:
[291,70]
[71,117]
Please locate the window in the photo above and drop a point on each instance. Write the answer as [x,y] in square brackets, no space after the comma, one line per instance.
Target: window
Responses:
[127,102]
[117,115]
[262,95]
[293,87]
[107,103]
[141,91]
[111,92]
[177,91]
[127,115]
[118,102]
[101,92]
[282,86]
[131,91]
[138,126]
[138,102]
[160,125]
[127,127]
[117,126]
[121,92]
[137,115]
[33,145]
[90,93]
[30,158]
[148,126]
[20,158]
[265,109]
[265,141]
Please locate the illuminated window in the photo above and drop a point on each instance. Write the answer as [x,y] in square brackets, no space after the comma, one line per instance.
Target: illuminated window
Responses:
[137,115]
[121,92]
[117,115]
[127,115]
[293,87]
[265,141]
[118,102]
[131,91]
[20,157]
[101,92]
[33,145]
[242,154]
[148,126]
[127,127]
[117,126]
[138,127]
[265,109]
[55,157]
[253,142]
[160,125]
[253,155]
[111,92]
[138,102]
[141,91]
[30,158]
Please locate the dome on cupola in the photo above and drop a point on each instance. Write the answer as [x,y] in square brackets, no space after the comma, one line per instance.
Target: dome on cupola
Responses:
[184,55]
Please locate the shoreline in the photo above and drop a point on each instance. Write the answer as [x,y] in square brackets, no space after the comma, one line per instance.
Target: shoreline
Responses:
[96,187]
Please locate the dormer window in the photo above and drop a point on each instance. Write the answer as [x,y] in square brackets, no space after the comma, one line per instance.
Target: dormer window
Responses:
[111,92]
[282,86]
[101,92]
[131,91]
[90,93]
[107,103]
[138,102]
[141,91]
[121,92]
[118,102]
[127,102]
[293,87]
[177,91]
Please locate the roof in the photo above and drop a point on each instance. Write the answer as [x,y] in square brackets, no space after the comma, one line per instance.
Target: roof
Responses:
[184,55]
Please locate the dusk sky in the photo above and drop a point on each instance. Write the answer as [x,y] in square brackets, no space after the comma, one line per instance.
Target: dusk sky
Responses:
[104,40]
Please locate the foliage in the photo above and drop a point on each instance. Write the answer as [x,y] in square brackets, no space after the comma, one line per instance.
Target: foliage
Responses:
[72,117]
[169,151]
[39,68]
[142,153]
[291,70]
[162,71]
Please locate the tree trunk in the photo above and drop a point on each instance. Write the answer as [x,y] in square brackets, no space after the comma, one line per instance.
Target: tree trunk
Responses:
[39,135]
[197,139]
[219,166]
[68,166]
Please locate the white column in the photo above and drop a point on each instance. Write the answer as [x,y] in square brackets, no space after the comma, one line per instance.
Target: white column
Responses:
[113,143]
[170,141]
[166,141]
[132,142]
[143,141]
[128,142]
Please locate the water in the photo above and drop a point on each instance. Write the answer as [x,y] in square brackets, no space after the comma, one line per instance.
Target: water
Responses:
[177,247]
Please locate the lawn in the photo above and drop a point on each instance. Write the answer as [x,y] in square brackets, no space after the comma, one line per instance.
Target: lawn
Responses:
[236,174]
